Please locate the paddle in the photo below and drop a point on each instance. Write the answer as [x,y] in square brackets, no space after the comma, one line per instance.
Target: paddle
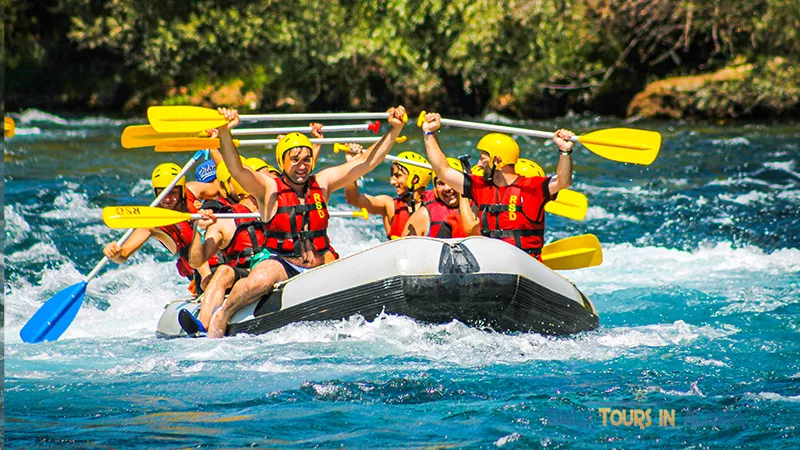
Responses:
[149,217]
[569,204]
[57,313]
[627,145]
[188,119]
[9,128]
[577,252]
[136,136]
[191,144]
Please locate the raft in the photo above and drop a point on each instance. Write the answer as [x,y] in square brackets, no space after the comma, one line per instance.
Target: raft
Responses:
[478,281]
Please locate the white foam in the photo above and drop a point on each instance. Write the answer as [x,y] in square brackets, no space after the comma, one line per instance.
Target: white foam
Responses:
[73,205]
[35,115]
[750,197]
[16,228]
[513,437]
[737,141]
[707,268]
[772,397]
[599,213]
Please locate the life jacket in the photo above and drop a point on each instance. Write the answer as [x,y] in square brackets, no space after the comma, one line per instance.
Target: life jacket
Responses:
[190,199]
[402,211]
[181,233]
[295,223]
[248,239]
[515,213]
[445,221]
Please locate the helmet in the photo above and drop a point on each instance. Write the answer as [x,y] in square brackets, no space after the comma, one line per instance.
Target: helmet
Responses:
[290,141]
[477,170]
[226,181]
[163,175]
[423,174]
[502,145]
[256,164]
[455,164]
[206,172]
[527,168]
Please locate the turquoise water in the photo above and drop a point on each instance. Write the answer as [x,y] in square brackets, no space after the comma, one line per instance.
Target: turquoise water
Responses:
[699,299]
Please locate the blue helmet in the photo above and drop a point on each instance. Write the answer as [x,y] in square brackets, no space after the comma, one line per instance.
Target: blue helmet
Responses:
[206,172]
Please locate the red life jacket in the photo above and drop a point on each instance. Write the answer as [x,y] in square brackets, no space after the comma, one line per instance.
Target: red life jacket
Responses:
[190,199]
[294,223]
[181,233]
[515,213]
[445,221]
[402,211]
[248,239]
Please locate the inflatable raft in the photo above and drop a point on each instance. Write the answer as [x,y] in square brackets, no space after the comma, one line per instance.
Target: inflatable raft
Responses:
[478,281]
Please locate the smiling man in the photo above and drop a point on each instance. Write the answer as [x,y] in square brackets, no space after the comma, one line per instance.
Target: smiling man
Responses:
[442,211]
[293,208]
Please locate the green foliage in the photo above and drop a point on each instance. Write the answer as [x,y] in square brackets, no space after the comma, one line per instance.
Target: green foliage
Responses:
[528,58]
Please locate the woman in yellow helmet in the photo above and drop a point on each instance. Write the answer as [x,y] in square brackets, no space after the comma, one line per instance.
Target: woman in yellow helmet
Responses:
[176,238]
[511,206]
[409,182]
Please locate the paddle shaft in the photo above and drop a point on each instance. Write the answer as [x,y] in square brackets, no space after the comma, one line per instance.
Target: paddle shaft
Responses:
[282,130]
[587,139]
[155,202]
[256,215]
[355,140]
[314,116]
[500,129]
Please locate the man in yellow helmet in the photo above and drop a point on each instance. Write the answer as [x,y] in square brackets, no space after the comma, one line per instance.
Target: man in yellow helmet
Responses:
[511,207]
[409,182]
[294,207]
[176,238]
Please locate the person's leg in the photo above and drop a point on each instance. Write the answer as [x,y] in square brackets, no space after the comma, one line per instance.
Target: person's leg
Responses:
[260,281]
[222,279]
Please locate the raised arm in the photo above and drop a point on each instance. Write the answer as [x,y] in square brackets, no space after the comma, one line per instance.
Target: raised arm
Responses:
[374,205]
[259,185]
[436,156]
[340,176]
[563,177]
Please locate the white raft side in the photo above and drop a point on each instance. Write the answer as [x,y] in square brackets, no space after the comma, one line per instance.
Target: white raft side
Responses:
[496,256]
[383,261]
[408,256]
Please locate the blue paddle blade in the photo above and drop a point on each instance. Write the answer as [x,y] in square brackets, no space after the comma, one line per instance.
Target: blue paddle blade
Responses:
[53,318]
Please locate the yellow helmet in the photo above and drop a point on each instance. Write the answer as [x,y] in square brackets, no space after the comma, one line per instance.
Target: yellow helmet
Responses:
[290,141]
[502,145]
[163,175]
[256,163]
[226,181]
[527,168]
[423,174]
[455,163]
[477,170]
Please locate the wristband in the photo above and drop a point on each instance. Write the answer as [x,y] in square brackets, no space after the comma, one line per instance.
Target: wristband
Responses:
[565,153]
[429,133]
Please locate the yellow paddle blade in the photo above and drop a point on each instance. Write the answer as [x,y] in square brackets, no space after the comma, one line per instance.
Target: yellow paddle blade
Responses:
[136,136]
[569,204]
[189,144]
[573,253]
[9,128]
[184,119]
[624,144]
[141,216]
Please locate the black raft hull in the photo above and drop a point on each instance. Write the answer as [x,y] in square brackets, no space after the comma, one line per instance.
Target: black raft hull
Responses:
[477,281]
